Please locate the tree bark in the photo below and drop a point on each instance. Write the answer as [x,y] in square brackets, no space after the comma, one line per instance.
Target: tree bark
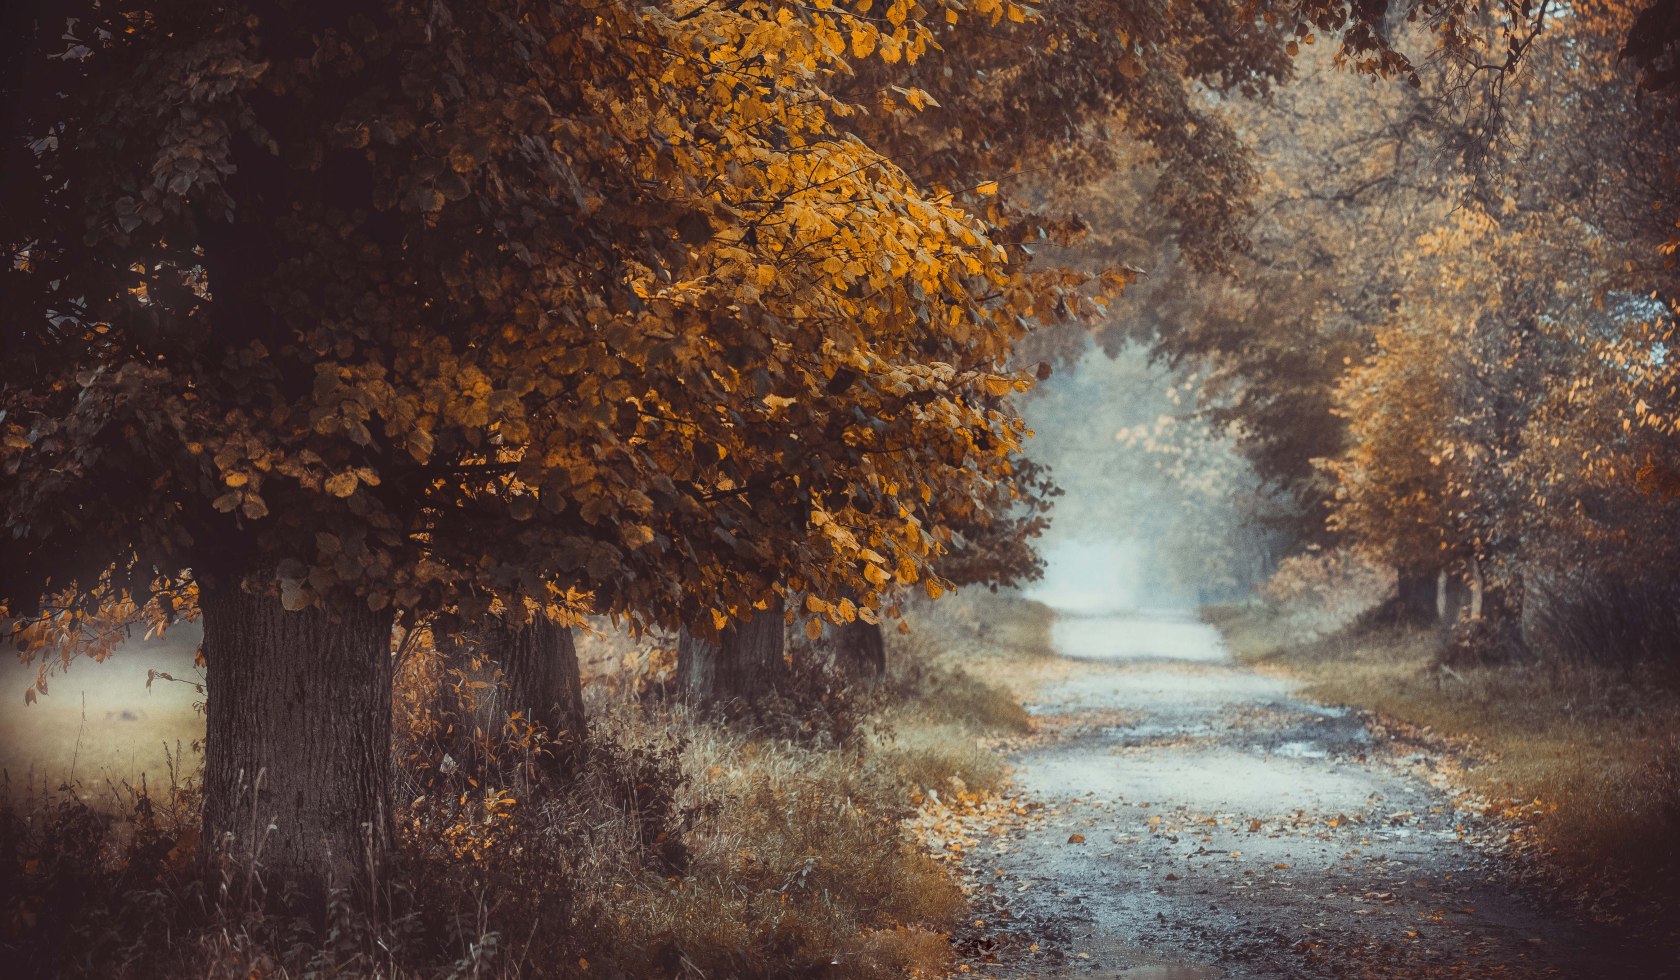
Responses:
[297,741]
[540,668]
[746,663]
[1451,597]
[860,649]
[1415,598]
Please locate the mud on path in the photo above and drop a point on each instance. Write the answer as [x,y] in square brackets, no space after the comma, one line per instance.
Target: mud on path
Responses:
[1181,816]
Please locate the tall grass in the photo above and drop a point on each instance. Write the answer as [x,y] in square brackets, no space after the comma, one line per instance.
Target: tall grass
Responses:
[665,846]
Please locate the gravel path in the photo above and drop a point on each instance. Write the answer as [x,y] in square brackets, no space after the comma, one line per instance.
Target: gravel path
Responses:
[1185,817]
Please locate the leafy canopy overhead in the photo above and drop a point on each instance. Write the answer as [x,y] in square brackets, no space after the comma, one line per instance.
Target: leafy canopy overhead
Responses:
[488,304]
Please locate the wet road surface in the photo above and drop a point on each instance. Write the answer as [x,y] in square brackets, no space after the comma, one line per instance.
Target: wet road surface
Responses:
[1186,817]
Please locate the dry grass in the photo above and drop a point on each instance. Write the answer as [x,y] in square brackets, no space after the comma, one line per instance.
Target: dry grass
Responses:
[1001,642]
[672,847]
[1586,759]
[793,865]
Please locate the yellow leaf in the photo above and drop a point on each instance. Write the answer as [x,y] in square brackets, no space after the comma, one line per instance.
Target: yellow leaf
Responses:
[934,589]
[814,628]
[906,571]
[341,484]
[997,385]
[989,188]
[863,42]
[719,620]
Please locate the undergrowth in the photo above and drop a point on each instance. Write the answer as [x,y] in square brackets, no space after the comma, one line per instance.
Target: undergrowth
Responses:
[665,845]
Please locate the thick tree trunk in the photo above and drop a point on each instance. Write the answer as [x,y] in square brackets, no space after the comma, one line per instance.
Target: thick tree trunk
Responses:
[746,663]
[532,670]
[297,740]
[861,650]
[540,668]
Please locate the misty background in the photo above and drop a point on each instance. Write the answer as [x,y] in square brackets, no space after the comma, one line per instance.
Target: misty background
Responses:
[1159,512]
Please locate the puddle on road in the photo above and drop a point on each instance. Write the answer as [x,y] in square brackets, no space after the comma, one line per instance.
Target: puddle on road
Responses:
[1163,690]
[1301,750]
[1205,779]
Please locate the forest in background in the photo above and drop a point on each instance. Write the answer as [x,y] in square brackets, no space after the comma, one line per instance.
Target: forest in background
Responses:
[1422,427]
[393,342]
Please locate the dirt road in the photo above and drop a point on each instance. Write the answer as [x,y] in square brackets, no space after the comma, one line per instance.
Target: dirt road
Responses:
[1189,818]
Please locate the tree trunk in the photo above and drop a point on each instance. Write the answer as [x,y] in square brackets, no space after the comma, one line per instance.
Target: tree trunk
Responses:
[1415,598]
[297,740]
[1451,596]
[860,649]
[746,663]
[540,668]
[1493,633]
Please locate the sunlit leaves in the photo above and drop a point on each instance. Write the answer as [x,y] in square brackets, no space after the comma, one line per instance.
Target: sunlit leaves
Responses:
[617,317]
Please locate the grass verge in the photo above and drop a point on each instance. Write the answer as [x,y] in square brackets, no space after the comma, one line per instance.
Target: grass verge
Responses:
[671,847]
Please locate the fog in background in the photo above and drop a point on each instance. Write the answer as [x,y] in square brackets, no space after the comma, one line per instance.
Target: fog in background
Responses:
[1159,511]
[100,723]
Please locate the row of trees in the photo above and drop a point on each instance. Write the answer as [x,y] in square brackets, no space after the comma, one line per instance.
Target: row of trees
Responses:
[1531,318]
[327,321]
[1450,349]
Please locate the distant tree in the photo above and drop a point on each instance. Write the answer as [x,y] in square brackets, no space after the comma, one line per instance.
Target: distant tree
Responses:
[1469,449]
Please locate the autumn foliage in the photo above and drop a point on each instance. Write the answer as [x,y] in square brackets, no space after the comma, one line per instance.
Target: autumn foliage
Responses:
[334,324]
